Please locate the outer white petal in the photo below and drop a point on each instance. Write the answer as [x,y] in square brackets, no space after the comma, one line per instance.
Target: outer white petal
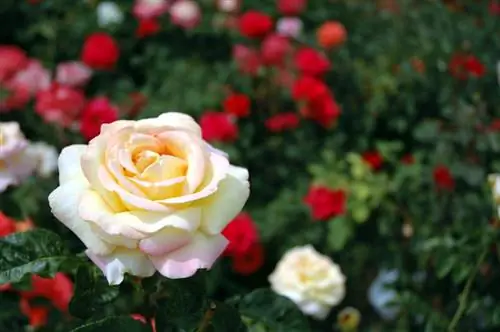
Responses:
[121,261]
[227,202]
[69,163]
[64,202]
[200,253]
[180,121]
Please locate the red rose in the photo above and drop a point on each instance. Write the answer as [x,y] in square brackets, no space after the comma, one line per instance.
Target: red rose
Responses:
[96,113]
[147,27]
[59,104]
[291,7]
[249,262]
[241,233]
[247,59]
[443,178]
[237,104]
[408,159]
[7,225]
[16,96]
[100,51]
[373,159]
[463,66]
[217,126]
[282,121]
[12,59]
[324,110]
[310,62]
[37,315]
[274,49]
[326,203]
[254,24]
[308,89]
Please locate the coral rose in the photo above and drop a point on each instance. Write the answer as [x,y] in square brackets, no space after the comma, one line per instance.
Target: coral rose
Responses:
[331,34]
[149,195]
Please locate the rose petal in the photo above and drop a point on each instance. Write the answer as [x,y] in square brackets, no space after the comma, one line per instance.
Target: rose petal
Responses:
[165,241]
[121,261]
[180,121]
[69,163]
[64,204]
[200,253]
[227,202]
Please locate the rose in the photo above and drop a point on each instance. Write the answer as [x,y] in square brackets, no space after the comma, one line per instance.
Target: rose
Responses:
[100,51]
[33,78]
[60,104]
[15,163]
[147,9]
[149,195]
[73,73]
[109,13]
[313,281]
[185,13]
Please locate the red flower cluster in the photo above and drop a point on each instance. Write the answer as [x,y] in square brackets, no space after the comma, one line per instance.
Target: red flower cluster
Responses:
[60,104]
[463,66]
[57,290]
[97,112]
[244,247]
[282,121]
[443,178]
[326,203]
[219,127]
[373,159]
[237,104]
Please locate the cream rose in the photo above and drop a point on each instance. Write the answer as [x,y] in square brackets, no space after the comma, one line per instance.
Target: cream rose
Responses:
[15,164]
[313,281]
[149,195]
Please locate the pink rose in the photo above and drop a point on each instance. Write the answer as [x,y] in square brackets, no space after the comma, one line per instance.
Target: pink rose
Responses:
[185,13]
[146,9]
[34,77]
[59,104]
[73,73]
[289,26]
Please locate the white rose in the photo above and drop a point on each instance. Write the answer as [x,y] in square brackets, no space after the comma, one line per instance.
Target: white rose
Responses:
[15,164]
[44,156]
[149,195]
[108,13]
[311,280]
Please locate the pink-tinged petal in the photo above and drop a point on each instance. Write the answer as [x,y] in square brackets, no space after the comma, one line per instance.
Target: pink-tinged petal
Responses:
[180,121]
[69,163]
[117,240]
[216,172]
[93,208]
[121,261]
[227,202]
[200,253]
[187,146]
[64,203]
[165,241]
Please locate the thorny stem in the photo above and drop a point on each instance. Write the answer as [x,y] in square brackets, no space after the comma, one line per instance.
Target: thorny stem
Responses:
[207,317]
[462,299]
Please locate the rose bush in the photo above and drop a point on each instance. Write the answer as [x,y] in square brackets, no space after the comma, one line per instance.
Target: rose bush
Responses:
[149,195]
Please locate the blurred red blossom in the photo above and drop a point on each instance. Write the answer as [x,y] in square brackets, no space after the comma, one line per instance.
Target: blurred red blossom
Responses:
[331,34]
[274,49]
[311,62]
[147,27]
[59,104]
[307,88]
[100,51]
[464,66]
[37,314]
[97,112]
[13,97]
[12,59]
[282,121]
[291,7]
[408,159]
[7,225]
[185,13]
[326,203]
[255,24]
[324,111]
[147,9]
[443,179]
[251,261]
[237,104]
[248,60]
[34,77]
[217,126]
[73,73]
[494,7]
[374,159]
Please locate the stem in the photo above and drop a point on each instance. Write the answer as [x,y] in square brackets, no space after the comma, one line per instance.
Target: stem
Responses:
[207,317]
[462,299]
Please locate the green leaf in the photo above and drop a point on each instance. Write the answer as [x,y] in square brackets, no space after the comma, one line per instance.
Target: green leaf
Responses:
[340,230]
[276,313]
[226,319]
[92,292]
[181,303]
[118,323]
[38,251]
[427,131]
